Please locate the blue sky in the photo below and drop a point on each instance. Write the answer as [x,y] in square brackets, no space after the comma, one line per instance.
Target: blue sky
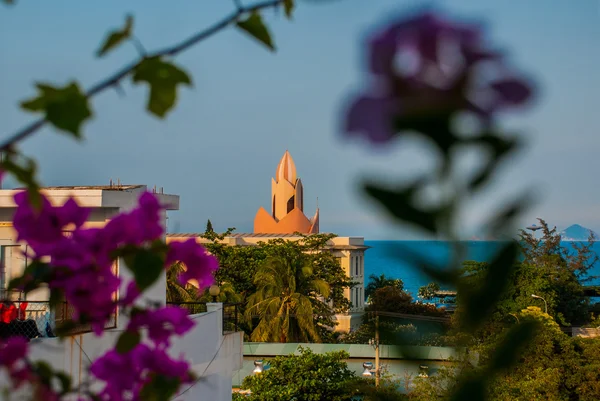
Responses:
[221,146]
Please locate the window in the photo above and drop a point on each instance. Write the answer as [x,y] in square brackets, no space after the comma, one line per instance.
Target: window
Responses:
[362,265]
[290,204]
[357,264]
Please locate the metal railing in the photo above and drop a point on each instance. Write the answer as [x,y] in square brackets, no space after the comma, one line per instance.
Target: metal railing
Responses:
[231,313]
[36,319]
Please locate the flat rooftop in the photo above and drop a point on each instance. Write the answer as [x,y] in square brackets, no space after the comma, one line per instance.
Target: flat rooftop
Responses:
[239,235]
[94,187]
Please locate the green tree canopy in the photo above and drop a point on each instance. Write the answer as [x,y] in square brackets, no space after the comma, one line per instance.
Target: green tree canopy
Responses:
[376,282]
[304,377]
[548,270]
[283,303]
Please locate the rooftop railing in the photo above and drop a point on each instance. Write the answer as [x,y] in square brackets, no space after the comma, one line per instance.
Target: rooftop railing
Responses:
[231,313]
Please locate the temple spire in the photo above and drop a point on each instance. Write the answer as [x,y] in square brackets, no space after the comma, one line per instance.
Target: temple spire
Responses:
[286,169]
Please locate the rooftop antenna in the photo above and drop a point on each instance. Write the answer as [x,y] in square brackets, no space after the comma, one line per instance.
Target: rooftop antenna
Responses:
[317,202]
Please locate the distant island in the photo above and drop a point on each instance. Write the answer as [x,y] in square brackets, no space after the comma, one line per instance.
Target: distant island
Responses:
[577,233]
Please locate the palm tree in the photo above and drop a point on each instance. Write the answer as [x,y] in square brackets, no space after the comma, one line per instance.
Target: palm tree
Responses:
[178,294]
[285,300]
[377,282]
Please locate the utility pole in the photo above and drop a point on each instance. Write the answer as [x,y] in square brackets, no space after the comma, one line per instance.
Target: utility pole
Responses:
[376,349]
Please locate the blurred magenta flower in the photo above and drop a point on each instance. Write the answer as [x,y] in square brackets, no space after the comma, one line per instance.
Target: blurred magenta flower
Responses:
[162,323]
[199,265]
[13,352]
[126,374]
[44,226]
[429,67]
[82,262]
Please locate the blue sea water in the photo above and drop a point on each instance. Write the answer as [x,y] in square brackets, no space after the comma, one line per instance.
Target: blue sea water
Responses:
[386,257]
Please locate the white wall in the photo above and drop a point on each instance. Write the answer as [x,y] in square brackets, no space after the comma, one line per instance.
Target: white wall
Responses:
[213,356]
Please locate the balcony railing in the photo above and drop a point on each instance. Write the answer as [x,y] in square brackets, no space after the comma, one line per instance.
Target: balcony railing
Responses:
[231,313]
[36,319]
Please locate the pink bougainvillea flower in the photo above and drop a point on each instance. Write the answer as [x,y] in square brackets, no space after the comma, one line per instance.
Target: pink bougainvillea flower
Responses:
[141,225]
[148,217]
[162,323]
[132,293]
[431,67]
[120,372]
[42,227]
[424,34]
[12,357]
[89,294]
[199,265]
[159,362]
[12,350]
[36,227]
[83,261]
[372,116]
[126,374]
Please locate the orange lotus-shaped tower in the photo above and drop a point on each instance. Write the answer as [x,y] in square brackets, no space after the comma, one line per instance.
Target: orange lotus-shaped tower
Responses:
[287,204]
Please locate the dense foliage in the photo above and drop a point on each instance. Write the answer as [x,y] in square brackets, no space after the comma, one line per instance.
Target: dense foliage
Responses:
[377,282]
[296,284]
[304,377]
[549,271]
[553,366]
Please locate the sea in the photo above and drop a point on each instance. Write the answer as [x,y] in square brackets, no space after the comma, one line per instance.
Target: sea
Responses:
[390,258]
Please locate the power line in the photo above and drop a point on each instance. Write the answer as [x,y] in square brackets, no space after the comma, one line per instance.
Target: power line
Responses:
[204,371]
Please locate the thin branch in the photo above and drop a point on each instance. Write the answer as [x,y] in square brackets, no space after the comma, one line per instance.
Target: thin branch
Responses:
[123,72]
[138,46]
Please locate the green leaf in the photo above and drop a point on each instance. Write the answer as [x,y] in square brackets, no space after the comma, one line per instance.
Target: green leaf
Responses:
[255,27]
[146,267]
[24,170]
[44,371]
[288,6]
[163,79]
[115,38]
[66,108]
[480,303]
[35,274]
[160,388]
[56,299]
[65,382]
[127,341]
[402,204]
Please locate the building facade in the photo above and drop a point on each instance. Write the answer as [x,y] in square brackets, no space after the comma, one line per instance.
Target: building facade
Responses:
[213,354]
[349,251]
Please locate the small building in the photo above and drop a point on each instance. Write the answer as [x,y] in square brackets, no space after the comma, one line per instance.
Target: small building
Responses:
[213,353]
